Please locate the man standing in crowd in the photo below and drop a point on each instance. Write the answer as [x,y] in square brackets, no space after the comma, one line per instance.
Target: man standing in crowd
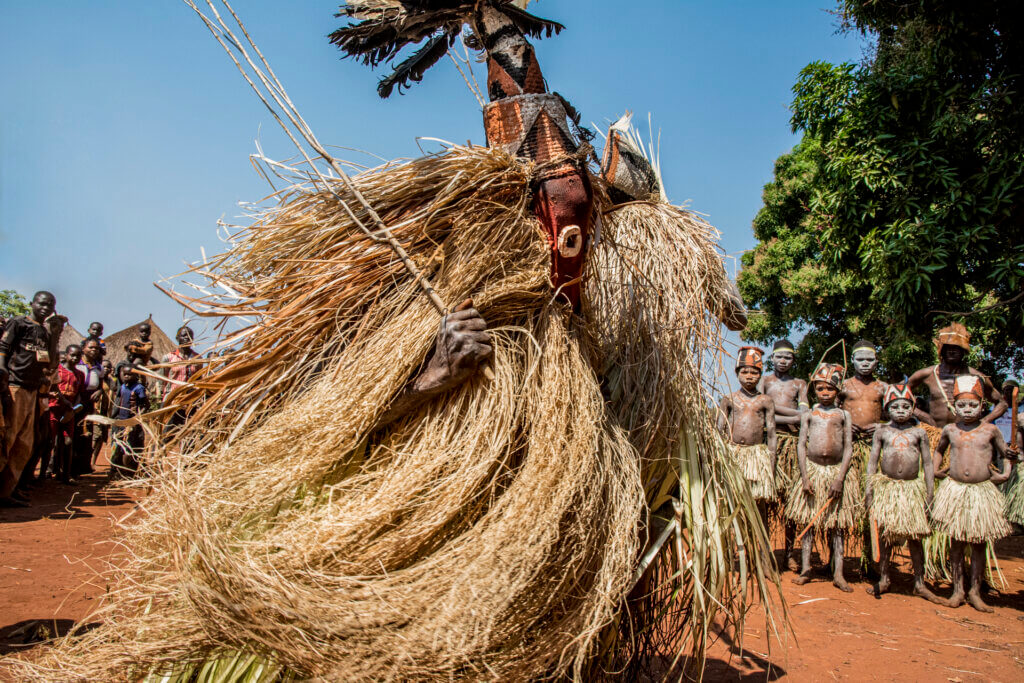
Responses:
[28,354]
[91,368]
[953,344]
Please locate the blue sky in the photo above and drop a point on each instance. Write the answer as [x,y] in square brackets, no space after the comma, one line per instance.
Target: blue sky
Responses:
[125,132]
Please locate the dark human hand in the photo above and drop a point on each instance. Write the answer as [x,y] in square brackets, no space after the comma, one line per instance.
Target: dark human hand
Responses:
[462,345]
[836,489]
[56,321]
[807,486]
[942,473]
[1000,478]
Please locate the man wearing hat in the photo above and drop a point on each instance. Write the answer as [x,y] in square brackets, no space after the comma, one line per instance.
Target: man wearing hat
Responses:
[953,343]
[968,507]
[896,499]
[828,493]
[747,417]
[790,397]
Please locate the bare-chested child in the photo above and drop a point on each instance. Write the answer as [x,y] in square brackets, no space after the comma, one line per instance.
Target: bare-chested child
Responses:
[747,417]
[861,396]
[789,395]
[968,507]
[897,498]
[827,484]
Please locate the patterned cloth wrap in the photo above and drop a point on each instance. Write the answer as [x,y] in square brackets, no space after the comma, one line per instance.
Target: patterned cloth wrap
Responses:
[843,512]
[900,508]
[756,464]
[972,513]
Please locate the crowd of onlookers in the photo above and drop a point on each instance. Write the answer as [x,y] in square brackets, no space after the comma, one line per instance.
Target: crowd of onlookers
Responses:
[61,406]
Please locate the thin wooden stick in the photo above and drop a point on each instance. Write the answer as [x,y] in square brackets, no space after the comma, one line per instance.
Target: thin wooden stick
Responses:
[814,519]
[1014,421]
[381,233]
[876,551]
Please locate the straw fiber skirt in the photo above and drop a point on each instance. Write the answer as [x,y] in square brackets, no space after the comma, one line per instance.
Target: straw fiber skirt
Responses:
[1014,508]
[786,469]
[843,512]
[969,512]
[899,507]
[756,465]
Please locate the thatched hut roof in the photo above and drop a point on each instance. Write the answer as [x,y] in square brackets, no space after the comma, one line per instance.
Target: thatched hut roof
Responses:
[69,336]
[162,344]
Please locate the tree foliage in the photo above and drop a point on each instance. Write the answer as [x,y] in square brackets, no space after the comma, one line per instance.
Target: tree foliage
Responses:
[903,206]
[12,304]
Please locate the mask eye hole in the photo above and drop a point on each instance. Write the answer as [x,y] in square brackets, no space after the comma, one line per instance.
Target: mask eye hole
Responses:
[570,241]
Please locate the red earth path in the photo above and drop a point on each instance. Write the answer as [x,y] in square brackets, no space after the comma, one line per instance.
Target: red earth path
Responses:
[50,554]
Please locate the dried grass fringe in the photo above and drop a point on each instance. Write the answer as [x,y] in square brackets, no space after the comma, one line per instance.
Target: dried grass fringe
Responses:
[492,534]
[786,468]
[843,513]
[1014,492]
[756,464]
[972,513]
[900,508]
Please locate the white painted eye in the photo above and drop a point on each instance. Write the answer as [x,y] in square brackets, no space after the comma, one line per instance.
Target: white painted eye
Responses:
[570,241]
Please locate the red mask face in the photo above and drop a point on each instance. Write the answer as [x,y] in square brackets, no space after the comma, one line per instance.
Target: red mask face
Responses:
[563,205]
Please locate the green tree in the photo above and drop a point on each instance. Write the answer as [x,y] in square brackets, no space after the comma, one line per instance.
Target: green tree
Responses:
[12,303]
[903,206]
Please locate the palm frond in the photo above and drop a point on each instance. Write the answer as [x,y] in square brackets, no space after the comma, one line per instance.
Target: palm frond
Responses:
[413,68]
[384,27]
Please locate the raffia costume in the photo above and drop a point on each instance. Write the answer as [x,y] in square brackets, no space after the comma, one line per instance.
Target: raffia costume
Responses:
[900,505]
[495,532]
[844,512]
[969,512]
[754,460]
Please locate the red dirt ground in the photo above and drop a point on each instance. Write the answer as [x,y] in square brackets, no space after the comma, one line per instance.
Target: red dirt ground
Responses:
[49,555]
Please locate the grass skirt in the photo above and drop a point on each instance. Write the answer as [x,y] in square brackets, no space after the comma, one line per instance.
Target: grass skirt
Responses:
[756,464]
[934,433]
[969,512]
[861,455]
[786,469]
[900,507]
[1014,491]
[842,513]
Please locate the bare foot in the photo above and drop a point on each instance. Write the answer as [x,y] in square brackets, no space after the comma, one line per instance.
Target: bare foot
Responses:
[977,603]
[955,600]
[802,579]
[792,564]
[840,583]
[878,588]
[922,591]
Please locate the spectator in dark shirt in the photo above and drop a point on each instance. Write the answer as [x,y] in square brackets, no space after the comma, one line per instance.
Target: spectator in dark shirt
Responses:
[28,354]
[129,401]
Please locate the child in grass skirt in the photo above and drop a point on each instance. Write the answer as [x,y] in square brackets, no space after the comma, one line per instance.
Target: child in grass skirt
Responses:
[748,418]
[828,493]
[968,507]
[897,498]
